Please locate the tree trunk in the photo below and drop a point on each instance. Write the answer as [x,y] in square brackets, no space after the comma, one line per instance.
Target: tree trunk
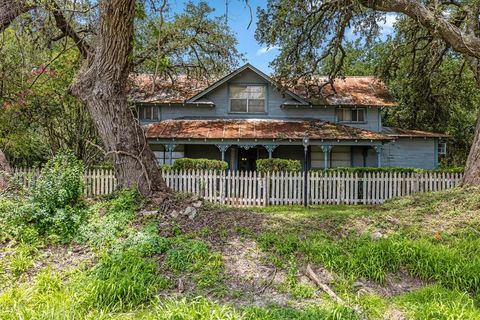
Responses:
[471,175]
[102,86]
[5,171]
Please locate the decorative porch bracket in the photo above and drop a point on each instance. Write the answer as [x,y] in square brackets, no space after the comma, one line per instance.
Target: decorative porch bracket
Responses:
[247,146]
[270,148]
[378,150]
[326,155]
[223,148]
[170,148]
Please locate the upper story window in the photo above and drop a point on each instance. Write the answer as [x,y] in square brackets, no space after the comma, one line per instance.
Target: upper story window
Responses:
[147,113]
[247,98]
[351,115]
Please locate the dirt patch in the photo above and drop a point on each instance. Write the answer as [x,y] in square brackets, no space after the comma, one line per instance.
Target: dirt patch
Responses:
[395,284]
[215,222]
[248,273]
[61,258]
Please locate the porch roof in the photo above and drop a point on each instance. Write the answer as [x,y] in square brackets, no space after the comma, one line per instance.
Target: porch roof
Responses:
[257,129]
[407,133]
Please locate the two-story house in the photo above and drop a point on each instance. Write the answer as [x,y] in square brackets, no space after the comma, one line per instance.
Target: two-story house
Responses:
[243,117]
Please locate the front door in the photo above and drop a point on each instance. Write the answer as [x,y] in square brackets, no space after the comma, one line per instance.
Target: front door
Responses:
[247,159]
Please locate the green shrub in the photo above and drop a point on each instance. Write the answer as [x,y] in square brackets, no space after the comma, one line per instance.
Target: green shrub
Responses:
[53,206]
[110,219]
[198,164]
[275,164]
[387,169]
[60,183]
[146,242]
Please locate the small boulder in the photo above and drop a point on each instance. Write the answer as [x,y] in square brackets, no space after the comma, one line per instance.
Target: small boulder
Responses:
[188,210]
[192,214]
[149,213]
[377,235]
[174,214]
[197,204]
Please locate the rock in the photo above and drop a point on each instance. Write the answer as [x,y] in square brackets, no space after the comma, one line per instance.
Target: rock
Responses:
[188,210]
[358,285]
[192,214]
[174,214]
[376,235]
[180,285]
[149,213]
[197,204]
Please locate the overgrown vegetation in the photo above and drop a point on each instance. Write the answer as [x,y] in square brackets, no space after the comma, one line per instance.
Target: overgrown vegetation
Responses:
[119,261]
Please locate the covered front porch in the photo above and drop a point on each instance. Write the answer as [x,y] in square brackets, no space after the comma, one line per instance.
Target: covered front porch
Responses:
[243,156]
[241,142]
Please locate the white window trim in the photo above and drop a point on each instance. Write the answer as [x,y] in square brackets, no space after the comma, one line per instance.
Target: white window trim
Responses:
[440,144]
[245,112]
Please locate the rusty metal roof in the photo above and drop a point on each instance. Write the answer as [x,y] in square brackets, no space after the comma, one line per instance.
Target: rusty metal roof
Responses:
[257,129]
[365,90]
[360,91]
[398,132]
[175,90]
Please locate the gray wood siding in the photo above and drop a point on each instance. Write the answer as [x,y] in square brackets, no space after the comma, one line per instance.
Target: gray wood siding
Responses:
[406,152]
[220,96]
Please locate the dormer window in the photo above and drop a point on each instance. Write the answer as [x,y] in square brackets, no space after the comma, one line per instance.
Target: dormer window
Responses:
[351,115]
[247,98]
[147,113]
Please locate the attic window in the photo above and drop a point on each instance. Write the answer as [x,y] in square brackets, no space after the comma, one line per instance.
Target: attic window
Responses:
[247,99]
[147,113]
[351,115]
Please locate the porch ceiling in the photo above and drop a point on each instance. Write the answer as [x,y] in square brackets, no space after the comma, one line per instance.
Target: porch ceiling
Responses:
[257,129]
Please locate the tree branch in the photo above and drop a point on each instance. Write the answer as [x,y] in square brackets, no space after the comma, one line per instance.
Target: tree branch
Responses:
[466,43]
[10,10]
[67,29]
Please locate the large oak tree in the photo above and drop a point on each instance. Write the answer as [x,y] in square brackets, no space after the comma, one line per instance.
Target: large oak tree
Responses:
[101,84]
[310,32]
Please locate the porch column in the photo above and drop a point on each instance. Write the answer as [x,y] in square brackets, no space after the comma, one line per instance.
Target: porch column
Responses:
[326,155]
[378,150]
[170,148]
[270,148]
[223,148]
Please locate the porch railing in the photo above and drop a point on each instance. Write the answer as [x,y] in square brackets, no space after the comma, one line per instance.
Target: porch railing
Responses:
[250,188]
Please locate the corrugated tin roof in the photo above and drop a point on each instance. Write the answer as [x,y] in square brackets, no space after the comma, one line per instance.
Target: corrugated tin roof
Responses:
[398,132]
[361,91]
[367,90]
[257,129]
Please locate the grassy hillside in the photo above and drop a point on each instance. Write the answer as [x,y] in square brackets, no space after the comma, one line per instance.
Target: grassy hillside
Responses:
[416,257]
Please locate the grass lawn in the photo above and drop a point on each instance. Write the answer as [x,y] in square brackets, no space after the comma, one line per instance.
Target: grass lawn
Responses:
[412,258]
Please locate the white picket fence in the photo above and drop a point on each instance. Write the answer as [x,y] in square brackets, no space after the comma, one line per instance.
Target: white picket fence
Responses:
[250,188]
[96,181]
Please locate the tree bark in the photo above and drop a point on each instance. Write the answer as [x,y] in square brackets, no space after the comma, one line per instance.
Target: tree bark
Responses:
[5,171]
[101,85]
[10,10]
[471,176]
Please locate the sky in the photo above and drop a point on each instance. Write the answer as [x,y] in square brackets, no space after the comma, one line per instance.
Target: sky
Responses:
[239,18]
